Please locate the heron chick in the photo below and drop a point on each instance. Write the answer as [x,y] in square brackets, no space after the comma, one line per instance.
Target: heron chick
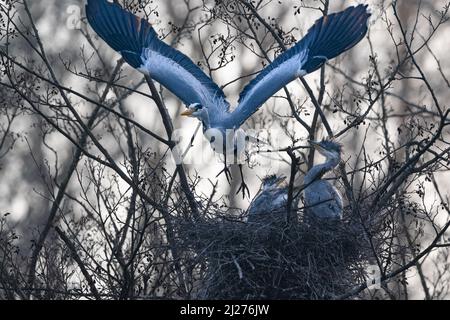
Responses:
[270,204]
[322,200]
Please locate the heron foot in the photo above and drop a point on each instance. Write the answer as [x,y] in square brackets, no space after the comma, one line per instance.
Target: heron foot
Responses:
[227,172]
[243,187]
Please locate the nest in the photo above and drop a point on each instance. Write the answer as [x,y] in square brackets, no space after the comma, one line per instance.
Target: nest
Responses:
[275,260]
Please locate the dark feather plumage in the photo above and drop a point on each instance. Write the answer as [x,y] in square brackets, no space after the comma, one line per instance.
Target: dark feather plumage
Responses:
[328,37]
[129,35]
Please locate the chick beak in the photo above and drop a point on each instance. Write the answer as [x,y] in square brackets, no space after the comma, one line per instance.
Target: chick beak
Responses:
[281,181]
[187,113]
[314,144]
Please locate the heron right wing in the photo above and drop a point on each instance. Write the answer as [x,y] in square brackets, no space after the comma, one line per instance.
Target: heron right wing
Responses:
[330,36]
[138,43]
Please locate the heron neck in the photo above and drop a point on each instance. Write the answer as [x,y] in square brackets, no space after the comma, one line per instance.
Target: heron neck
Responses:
[319,170]
[205,121]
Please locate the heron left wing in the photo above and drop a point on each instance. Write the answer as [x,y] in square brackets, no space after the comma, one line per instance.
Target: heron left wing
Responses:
[330,36]
[138,43]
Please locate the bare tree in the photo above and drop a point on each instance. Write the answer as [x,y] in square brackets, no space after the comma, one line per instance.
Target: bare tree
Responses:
[94,205]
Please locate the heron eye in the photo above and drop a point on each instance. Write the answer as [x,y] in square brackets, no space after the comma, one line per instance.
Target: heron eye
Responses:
[199,107]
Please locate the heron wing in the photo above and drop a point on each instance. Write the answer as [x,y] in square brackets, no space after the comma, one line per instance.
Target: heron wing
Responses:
[330,36]
[138,43]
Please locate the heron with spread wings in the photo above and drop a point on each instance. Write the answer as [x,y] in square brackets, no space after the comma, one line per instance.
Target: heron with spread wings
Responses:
[138,43]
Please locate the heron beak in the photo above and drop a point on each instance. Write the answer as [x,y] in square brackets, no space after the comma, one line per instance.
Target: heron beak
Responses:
[314,143]
[187,113]
[280,181]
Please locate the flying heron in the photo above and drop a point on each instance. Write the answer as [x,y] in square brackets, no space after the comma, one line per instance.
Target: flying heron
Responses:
[138,43]
[322,200]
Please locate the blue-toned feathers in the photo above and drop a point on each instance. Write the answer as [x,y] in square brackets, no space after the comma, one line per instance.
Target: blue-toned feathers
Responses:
[138,43]
[334,34]
[120,29]
[331,145]
[330,36]
[131,35]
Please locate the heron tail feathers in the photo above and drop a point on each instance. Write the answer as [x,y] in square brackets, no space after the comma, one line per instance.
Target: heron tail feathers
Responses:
[123,31]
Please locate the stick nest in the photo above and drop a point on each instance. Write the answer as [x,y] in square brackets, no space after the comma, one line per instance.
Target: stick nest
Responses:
[275,260]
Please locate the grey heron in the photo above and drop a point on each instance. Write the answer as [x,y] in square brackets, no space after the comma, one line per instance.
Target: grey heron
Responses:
[269,205]
[322,200]
[138,43]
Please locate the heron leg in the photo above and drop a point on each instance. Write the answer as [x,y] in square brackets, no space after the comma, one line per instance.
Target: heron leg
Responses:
[243,187]
[226,170]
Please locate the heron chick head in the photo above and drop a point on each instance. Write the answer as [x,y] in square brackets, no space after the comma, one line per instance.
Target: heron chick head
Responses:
[327,148]
[272,182]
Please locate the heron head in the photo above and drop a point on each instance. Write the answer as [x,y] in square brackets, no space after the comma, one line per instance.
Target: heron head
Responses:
[194,110]
[327,148]
[272,182]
